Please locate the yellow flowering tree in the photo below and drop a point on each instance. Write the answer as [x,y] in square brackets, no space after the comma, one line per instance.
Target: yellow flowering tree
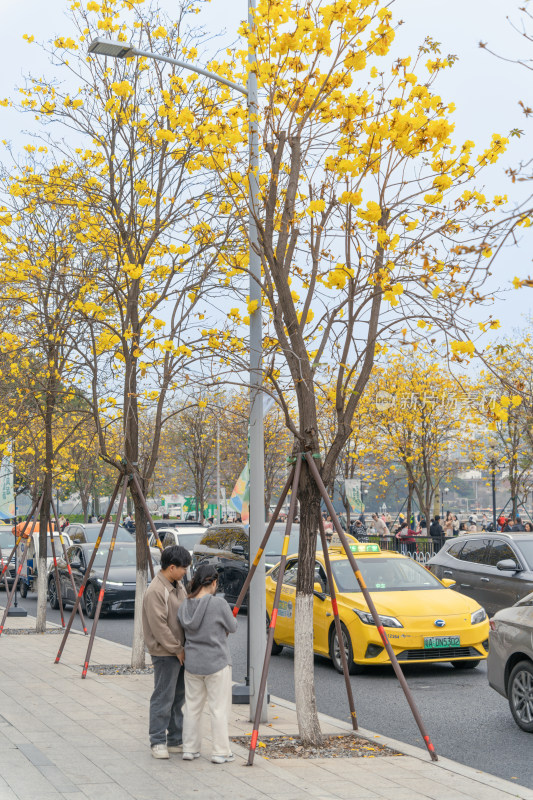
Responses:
[133,172]
[371,226]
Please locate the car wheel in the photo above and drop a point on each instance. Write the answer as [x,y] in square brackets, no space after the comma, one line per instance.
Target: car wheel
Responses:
[335,652]
[23,589]
[520,694]
[52,594]
[277,649]
[90,600]
[465,664]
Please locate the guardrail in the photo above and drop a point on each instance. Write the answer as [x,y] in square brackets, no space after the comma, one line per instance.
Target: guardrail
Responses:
[421,550]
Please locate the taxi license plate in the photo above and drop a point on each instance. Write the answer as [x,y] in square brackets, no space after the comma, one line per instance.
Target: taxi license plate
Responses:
[432,642]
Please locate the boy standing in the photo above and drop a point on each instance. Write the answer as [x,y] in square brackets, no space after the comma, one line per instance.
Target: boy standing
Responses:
[164,640]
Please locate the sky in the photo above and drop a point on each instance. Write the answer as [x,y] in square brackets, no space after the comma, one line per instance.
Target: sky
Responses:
[486,90]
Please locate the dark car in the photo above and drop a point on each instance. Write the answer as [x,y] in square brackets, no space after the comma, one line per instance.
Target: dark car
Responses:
[226,546]
[510,661]
[119,592]
[496,569]
[88,533]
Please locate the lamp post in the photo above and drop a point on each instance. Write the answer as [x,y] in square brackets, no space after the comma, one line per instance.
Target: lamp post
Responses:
[443,494]
[493,463]
[256,597]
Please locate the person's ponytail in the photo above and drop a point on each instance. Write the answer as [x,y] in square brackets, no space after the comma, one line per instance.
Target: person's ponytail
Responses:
[204,576]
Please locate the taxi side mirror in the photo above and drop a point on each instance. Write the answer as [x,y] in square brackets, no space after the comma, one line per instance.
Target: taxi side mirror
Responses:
[318,591]
[448,582]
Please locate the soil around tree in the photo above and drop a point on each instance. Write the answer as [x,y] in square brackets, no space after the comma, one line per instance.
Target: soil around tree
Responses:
[333,746]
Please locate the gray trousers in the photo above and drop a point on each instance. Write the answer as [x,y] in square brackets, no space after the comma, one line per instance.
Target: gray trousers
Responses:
[166,702]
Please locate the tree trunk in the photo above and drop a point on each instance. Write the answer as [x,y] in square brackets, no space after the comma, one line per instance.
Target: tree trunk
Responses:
[138,654]
[85,509]
[308,724]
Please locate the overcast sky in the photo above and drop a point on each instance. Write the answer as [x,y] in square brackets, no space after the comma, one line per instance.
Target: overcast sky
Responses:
[486,90]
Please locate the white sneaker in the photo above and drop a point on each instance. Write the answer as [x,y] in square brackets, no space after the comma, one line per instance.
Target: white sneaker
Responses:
[174,748]
[190,756]
[222,759]
[159,751]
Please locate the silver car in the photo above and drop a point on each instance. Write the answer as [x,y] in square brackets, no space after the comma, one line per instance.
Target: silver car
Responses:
[510,661]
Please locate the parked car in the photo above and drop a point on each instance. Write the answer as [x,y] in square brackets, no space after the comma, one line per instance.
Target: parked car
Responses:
[226,547]
[7,541]
[510,661]
[84,533]
[28,578]
[119,594]
[423,620]
[186,536]
[495,569]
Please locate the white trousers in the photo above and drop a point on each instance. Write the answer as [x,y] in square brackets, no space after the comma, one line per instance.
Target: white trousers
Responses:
[216,689]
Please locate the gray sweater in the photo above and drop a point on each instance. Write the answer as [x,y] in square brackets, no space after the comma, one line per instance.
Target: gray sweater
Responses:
[206,622]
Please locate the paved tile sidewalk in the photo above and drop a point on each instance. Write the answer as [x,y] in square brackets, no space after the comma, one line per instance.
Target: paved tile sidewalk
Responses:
[62,738]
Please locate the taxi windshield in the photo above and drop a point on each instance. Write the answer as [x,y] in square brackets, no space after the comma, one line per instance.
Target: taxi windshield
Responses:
[384,575]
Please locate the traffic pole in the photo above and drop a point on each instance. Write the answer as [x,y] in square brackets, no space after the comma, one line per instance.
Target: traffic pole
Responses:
[253,567]
[89,567]
[104,577]
[69,570]
[372,608]
[340,637]
[275,606]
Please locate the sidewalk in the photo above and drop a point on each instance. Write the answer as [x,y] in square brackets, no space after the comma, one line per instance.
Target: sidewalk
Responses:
[62,738]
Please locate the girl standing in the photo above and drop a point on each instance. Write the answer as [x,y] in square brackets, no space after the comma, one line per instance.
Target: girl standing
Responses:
[207,621]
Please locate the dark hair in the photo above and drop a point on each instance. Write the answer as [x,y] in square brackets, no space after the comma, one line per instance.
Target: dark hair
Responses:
[175,554]
[204,576]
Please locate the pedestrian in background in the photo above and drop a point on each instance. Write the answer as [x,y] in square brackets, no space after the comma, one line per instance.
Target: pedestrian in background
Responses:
[207,621]
[163,636]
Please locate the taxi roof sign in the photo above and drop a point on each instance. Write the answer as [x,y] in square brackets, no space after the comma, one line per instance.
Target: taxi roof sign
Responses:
[358,548]
[365,548]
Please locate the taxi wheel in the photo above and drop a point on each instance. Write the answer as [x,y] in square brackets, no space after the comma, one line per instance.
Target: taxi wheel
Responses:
[335,652]
[465,664]
[277,649]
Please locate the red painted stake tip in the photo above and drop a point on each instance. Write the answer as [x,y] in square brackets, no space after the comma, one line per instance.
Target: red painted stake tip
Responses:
[235,611]
[253,743]
[57,660]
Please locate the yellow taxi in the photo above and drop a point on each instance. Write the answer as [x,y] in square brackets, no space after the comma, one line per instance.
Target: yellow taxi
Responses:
[424,619]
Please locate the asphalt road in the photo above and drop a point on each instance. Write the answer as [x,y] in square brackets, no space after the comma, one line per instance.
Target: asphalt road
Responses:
[466,720]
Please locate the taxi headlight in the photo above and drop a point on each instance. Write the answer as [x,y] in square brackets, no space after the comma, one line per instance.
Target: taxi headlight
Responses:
[478,616]
[387,622]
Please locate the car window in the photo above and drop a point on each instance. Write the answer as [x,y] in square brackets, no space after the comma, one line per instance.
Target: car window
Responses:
[320,577]
[499,551]
[240,539]
[455,549]
[384,575]
[73,554]
[220,538]
[291,573]
[475,551]
[526,548]
[169,540]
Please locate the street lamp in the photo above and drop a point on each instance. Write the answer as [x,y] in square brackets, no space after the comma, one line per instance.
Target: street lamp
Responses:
[443,494]
[493,461]
[256,597]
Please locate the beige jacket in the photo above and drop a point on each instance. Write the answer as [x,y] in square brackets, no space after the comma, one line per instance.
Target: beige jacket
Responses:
[163,633]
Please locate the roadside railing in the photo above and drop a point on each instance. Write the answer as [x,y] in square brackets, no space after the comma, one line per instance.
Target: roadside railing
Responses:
[421,550]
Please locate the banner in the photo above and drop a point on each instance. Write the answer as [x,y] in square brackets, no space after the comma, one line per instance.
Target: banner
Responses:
[352,490]
[7,499]
[240,496]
